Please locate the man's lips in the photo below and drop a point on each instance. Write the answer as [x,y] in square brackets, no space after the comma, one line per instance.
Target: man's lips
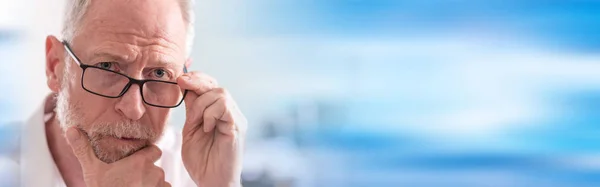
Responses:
[127,138]
[130,139]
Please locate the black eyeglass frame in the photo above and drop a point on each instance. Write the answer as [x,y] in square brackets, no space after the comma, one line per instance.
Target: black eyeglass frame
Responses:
[138,82]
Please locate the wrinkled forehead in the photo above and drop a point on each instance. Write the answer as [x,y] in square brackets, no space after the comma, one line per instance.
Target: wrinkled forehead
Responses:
[137,23]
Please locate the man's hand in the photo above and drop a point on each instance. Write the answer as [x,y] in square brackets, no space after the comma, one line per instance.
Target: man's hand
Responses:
[136,170]
[213,134]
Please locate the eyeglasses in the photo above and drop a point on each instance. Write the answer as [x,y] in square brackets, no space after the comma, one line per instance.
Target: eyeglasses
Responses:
[111,84]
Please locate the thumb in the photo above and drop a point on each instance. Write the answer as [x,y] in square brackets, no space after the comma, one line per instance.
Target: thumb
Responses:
[189,113]
[189,99]
[189,96]
[81,147]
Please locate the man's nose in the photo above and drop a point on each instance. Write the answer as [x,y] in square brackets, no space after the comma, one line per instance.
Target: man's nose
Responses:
[131,104]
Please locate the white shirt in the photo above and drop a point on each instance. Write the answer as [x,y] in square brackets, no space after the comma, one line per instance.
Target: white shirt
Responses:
[37,167]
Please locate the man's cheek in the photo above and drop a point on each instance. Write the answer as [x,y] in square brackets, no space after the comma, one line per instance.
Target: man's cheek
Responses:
[98,109]
[159,118]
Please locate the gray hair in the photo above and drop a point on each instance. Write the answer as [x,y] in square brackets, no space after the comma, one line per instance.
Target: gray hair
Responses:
[75,10]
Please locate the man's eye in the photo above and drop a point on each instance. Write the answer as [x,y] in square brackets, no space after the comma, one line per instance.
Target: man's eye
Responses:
[159,73]
[105,65]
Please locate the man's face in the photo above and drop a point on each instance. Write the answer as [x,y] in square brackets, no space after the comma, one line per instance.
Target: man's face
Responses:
[138,38]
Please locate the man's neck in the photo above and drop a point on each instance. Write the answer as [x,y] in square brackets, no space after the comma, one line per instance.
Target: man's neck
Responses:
[63,156]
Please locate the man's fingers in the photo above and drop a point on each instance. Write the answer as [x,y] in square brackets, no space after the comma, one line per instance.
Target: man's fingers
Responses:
[151,153]
[206,105]
[218,114]
[227,125]
[196,111]
[81,147]
[197,82]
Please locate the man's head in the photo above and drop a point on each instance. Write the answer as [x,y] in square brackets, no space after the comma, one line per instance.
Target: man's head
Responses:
[144,39]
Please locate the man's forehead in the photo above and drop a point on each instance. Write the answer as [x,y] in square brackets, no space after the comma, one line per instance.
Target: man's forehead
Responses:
[135,21]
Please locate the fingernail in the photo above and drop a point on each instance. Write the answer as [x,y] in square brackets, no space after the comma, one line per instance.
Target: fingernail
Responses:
[72,134]
[186,77]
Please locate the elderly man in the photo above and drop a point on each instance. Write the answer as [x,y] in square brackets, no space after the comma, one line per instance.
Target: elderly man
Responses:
[119,69]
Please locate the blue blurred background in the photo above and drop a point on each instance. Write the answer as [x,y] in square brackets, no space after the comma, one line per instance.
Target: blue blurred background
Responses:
[360,93]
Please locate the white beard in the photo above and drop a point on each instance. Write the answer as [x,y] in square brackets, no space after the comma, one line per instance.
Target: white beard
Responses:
[70,114]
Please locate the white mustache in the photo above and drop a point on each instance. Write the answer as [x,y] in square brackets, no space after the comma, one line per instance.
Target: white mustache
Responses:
[123,129]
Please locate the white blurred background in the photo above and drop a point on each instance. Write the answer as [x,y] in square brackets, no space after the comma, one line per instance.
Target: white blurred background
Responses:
[381,92]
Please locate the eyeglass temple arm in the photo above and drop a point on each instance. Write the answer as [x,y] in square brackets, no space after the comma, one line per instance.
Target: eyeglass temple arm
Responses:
[68,48]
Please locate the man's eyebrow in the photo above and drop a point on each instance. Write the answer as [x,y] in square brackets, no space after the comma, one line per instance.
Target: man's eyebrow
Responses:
[110,56]
[123,59]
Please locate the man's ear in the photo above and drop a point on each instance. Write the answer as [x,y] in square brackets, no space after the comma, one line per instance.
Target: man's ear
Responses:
[55,54]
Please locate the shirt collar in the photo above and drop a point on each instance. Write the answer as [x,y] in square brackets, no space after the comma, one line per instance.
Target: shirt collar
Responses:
[37,166]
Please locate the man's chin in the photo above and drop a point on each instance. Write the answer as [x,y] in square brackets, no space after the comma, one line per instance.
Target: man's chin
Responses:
[111,149]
